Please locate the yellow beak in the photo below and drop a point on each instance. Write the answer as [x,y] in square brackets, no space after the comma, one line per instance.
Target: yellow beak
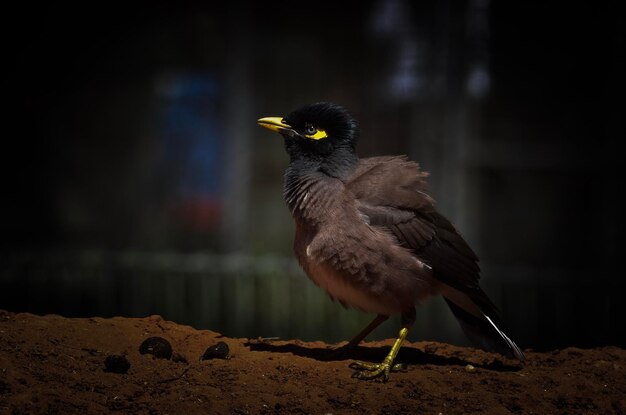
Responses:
[275,124]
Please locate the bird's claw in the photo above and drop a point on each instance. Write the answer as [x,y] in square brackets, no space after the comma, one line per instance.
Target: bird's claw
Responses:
[368,371]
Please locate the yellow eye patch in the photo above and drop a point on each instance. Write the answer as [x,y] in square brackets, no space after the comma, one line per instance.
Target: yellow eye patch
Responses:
[319,134]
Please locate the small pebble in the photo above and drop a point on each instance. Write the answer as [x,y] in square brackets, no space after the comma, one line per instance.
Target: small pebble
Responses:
[179,358]
[217,351]
[116,364]
[470,368]
[157,346]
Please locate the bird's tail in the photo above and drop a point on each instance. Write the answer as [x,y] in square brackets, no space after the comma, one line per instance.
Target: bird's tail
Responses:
[478,318]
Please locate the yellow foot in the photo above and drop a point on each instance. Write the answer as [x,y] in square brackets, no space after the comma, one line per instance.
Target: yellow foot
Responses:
[369,371]
[382,369]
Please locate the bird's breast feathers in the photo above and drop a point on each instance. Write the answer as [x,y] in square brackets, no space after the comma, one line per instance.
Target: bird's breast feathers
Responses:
[360,266]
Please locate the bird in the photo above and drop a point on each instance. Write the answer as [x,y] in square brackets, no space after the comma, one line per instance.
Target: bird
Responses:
[367,232]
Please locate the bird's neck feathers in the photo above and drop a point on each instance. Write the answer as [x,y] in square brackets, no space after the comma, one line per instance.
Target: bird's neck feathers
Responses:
[339,164]
[311,182]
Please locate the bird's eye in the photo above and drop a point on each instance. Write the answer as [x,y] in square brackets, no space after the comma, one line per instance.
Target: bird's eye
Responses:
[313,133]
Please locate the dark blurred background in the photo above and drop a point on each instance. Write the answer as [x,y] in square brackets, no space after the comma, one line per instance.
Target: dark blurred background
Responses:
[135,180]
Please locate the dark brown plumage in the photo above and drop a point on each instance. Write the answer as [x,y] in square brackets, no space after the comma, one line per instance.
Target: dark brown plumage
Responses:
[368,233]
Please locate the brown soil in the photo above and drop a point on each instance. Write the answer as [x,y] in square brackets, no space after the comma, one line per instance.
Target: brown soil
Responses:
[55,365]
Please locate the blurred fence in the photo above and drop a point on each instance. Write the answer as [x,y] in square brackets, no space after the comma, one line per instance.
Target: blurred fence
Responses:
[245,296]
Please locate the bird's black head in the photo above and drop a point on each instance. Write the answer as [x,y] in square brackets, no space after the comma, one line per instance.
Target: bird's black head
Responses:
[318,136]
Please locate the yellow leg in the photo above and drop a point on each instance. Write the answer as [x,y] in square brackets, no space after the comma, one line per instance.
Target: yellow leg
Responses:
[384,368]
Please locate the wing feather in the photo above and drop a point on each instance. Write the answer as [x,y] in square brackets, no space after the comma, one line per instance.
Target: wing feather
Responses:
[391,192]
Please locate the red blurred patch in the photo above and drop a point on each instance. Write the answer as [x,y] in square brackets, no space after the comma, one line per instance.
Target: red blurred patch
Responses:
[199,213]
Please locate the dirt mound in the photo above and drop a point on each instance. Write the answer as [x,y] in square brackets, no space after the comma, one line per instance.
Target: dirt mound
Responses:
[52,364]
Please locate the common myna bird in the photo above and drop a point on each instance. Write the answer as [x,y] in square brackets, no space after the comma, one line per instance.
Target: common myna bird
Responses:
[368,233]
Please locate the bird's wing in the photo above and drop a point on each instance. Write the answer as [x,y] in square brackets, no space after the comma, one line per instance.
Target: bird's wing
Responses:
[390,192]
